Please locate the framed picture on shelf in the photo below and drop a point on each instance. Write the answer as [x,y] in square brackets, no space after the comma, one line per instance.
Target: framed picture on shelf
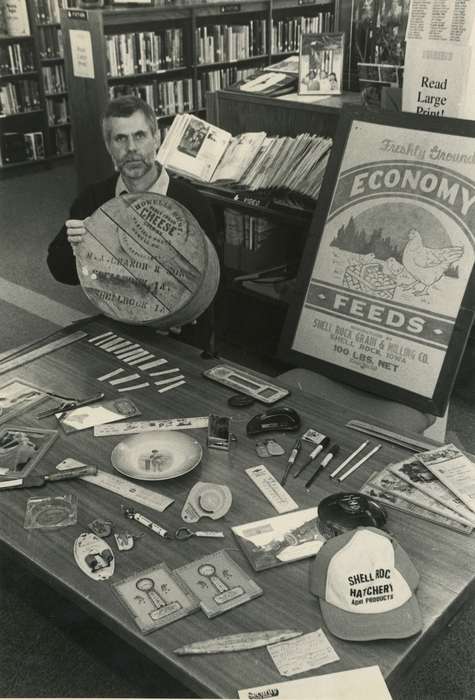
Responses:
[321,64]
[385,293]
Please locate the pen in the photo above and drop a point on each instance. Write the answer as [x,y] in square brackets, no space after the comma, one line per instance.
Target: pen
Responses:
[313,455]
[292,457]
[325,461]
[359,463]
[348,459]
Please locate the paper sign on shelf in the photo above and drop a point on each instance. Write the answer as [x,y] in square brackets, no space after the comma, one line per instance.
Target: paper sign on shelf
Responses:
[81,53]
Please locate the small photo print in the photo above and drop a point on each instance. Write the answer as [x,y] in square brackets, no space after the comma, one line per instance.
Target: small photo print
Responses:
[22,448]
[18,396]
[193,138]
[321,64]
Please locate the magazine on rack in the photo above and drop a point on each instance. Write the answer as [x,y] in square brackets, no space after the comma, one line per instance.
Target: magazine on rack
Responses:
[196,149]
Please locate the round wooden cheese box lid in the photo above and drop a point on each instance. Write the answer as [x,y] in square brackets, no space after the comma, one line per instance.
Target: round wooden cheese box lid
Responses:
[146,260]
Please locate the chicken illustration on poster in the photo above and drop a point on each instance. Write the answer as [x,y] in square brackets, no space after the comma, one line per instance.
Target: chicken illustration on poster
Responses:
[395,256]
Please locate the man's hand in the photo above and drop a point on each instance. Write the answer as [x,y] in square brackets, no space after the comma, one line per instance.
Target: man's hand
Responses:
[75,231]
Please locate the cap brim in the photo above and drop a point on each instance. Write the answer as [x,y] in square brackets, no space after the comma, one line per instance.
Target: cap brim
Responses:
[400,623]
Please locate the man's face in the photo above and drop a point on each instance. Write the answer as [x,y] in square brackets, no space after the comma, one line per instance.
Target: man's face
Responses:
[132,146]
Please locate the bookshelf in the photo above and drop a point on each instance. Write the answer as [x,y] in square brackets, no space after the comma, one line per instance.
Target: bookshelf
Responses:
[34,116]
[172,56]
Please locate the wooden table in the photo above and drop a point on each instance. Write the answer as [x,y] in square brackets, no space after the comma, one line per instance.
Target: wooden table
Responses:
[445,559]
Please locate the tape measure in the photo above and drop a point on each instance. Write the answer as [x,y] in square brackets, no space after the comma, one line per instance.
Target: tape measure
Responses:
[146,426]
[121,487]
[35,353]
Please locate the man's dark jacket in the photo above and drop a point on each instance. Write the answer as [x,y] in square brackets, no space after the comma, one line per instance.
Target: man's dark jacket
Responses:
[61,260]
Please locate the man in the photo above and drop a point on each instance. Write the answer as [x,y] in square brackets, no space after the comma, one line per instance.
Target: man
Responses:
[132,140]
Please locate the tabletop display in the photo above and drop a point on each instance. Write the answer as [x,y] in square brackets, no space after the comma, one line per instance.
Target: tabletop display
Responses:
[267,549]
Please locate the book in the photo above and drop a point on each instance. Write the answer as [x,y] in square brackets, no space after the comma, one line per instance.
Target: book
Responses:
[280,539]
[196,149]
[321,64]
[16,17]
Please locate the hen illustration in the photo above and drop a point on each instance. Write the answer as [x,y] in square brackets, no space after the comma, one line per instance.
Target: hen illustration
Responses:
[427,265]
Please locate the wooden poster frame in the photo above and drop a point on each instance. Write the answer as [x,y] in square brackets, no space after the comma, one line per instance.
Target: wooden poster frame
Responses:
[457,331]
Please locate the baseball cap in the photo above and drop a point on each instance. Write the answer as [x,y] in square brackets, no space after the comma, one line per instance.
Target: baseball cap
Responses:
[365,582]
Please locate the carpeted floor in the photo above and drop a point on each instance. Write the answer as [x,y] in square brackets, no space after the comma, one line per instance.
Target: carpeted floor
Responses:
[48,647]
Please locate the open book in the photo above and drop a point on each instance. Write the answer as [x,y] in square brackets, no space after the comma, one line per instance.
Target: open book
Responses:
[195,149]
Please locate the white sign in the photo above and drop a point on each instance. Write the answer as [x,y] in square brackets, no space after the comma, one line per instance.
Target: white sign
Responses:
[81,53]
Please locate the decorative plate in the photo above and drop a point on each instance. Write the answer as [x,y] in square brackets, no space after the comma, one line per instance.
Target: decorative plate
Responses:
[156,456]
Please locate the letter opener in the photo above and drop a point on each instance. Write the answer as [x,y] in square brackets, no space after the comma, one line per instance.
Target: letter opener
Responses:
[237,642]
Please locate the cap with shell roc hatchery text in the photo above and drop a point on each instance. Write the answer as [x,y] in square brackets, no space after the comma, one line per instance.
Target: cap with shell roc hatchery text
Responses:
[365,582]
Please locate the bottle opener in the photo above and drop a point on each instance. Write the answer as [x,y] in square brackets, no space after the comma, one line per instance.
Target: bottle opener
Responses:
[206,500]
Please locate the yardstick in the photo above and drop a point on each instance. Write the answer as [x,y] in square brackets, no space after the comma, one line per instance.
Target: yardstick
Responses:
[121,487]
[18,360]
[146,426]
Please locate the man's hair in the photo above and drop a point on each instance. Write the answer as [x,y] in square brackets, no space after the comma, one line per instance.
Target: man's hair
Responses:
[125,106]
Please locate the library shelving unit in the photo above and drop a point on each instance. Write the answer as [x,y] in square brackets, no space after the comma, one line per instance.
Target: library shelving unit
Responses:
[171,56]
[47,29]
[34,121]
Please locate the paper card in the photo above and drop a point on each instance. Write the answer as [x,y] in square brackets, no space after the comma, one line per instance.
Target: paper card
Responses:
[218,582]
[358,684]
[97,414]
[303,653]
[17,396]
[454,469]
[280,539]
[156,597]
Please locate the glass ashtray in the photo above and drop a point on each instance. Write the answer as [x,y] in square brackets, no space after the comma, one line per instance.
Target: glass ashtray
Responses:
[51,513]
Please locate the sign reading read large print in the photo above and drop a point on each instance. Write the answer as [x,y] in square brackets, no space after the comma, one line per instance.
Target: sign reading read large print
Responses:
[395,256]
[146,260]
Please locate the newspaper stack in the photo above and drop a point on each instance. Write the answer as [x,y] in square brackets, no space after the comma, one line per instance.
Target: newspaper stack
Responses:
[437,485]
[198,150]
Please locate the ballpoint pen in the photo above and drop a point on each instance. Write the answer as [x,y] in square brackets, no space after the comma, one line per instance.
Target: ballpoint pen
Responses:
[333,451]
[292,457]
[313,455]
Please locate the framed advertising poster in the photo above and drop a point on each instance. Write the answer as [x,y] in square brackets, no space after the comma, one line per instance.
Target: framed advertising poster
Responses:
[385,292]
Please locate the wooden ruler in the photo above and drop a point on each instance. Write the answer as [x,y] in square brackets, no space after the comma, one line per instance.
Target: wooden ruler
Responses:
[18,360]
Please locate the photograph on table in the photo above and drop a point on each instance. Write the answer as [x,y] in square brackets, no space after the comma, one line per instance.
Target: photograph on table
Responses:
[385,294]
[21,449]
[321,64]
[17,396]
